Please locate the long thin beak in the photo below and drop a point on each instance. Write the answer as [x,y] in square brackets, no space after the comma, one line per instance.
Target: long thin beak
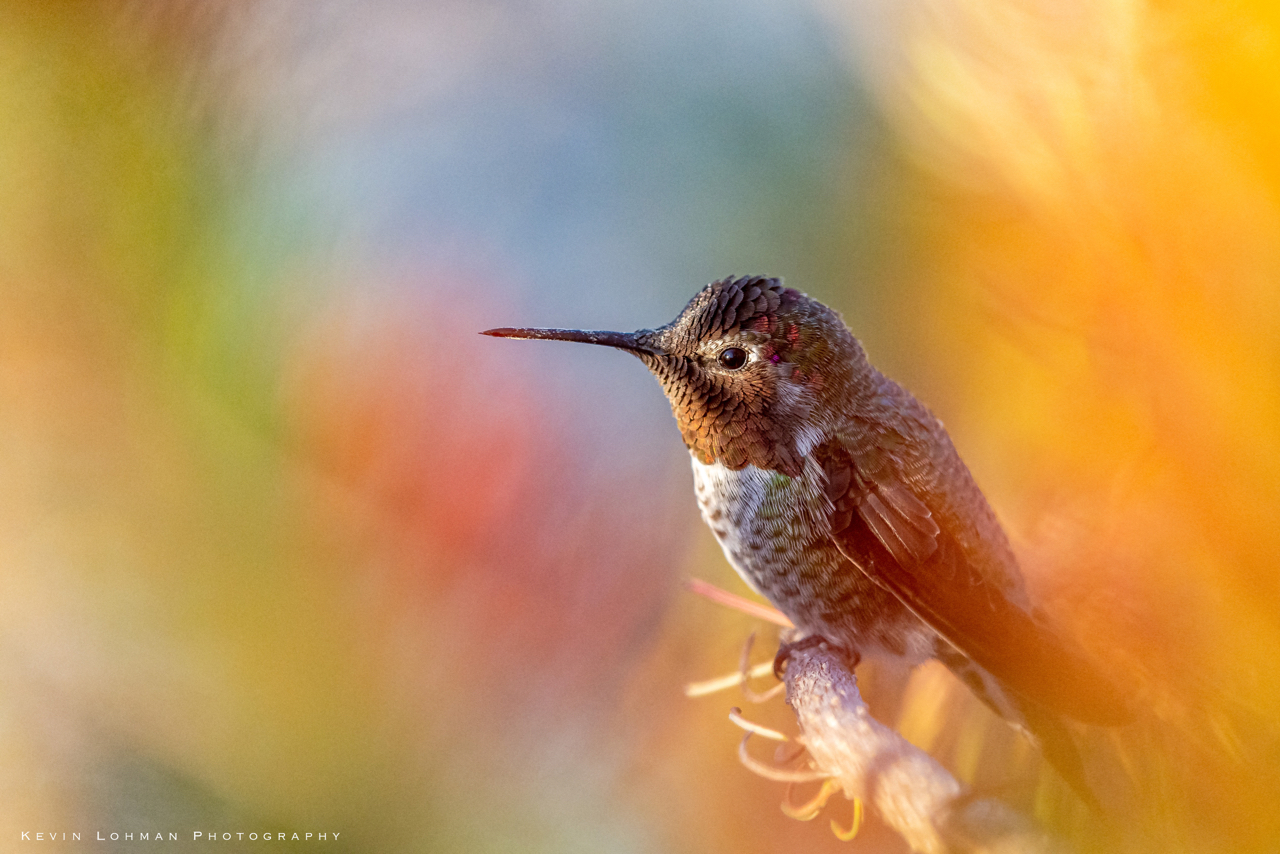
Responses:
[621,340]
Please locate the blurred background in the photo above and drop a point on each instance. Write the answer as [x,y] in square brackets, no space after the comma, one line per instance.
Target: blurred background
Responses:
[286,546]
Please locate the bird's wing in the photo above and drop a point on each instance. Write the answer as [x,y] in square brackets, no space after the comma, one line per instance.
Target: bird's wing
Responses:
[947,571]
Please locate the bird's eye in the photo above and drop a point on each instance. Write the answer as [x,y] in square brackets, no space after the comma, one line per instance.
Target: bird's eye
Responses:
[732,358]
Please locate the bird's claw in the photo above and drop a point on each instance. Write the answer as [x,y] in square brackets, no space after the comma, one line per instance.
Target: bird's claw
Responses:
[786,650]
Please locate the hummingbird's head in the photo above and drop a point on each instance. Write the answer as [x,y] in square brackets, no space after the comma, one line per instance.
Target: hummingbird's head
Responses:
[752,370]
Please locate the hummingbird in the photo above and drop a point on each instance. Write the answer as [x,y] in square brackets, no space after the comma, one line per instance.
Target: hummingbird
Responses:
[839,497]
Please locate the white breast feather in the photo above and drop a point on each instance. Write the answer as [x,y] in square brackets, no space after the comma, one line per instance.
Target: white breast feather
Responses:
[730,501]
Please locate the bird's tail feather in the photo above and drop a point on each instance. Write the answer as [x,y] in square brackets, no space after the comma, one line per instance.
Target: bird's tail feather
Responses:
[1044,727]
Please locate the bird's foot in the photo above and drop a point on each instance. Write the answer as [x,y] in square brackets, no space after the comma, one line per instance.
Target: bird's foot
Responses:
[745,668]
[851,657]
